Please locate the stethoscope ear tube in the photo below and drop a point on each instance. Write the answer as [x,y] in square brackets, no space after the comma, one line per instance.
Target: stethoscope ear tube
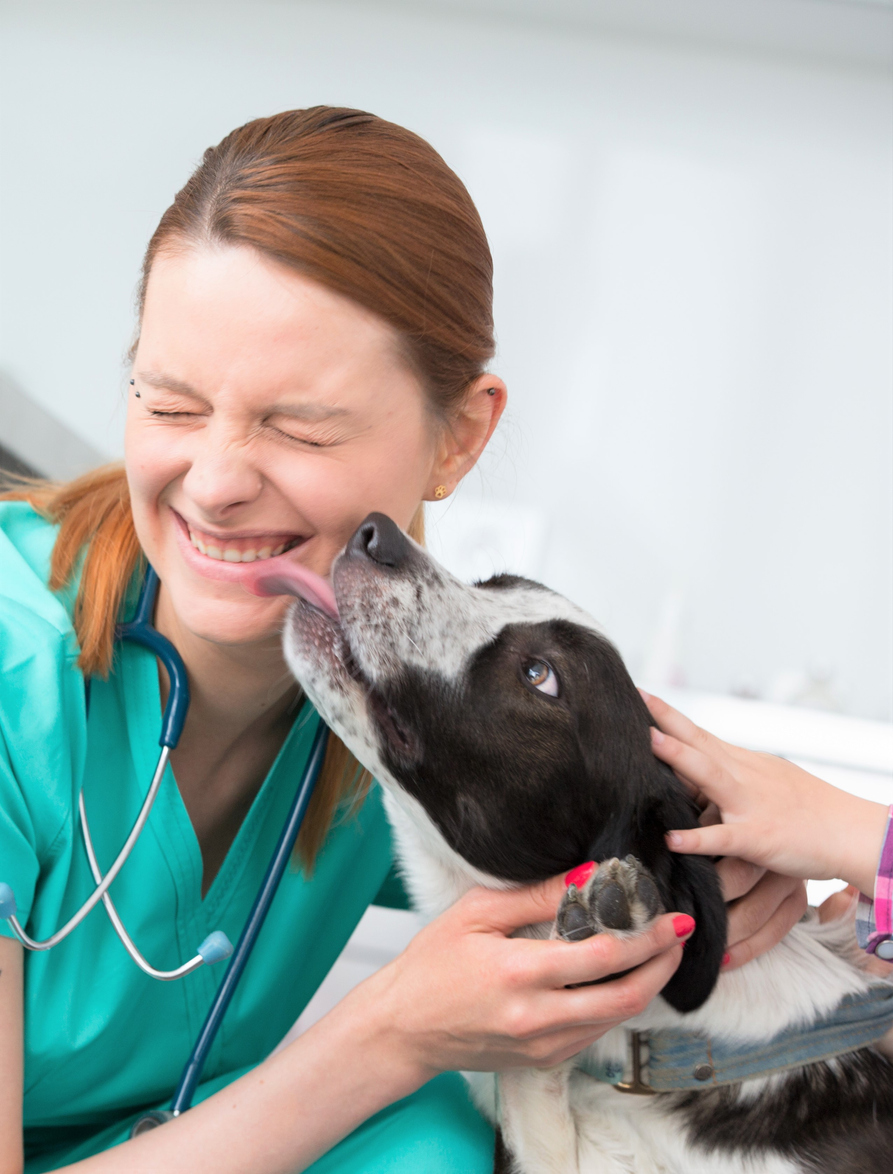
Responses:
[139,630]
[194,1065]
[214,948]
[99,892]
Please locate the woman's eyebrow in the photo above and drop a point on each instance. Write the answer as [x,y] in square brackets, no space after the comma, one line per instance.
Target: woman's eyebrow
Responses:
[309,413]
[168,383]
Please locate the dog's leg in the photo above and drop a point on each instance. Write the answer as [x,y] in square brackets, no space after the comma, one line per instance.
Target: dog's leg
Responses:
[539,1133]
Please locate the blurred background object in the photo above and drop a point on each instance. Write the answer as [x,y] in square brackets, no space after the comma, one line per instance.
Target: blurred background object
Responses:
[689,207]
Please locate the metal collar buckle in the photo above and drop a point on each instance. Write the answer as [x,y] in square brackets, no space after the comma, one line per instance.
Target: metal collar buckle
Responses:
[635,1086]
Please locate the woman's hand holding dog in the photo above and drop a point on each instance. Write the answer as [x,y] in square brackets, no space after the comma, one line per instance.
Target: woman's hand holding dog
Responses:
[762,908]
[466,995]
[774,814]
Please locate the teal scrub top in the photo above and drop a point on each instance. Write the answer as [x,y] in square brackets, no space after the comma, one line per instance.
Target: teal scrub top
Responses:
[102,1039]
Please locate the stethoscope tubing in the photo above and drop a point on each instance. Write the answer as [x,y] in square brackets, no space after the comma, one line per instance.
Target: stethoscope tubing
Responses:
[215,947]
[118,924]
[120,860]
[140,631]
[275,869]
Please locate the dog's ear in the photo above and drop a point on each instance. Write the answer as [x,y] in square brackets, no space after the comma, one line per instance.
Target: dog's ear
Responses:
[694,888]
[690,885]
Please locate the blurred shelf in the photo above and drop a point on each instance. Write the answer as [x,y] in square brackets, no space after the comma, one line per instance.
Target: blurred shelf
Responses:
[788,730]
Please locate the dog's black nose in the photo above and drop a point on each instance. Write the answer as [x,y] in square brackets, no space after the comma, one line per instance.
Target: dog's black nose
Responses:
[379,539]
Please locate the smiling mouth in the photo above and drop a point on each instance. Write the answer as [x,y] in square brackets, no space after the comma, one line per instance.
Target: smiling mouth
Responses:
[241,550]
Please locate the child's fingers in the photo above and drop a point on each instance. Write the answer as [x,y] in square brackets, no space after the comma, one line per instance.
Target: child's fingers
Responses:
[840,904]
[703,771]
[719,839]
[672,722]
[843,904]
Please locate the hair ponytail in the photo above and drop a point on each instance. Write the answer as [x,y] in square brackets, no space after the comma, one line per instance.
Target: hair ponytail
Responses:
[96,532]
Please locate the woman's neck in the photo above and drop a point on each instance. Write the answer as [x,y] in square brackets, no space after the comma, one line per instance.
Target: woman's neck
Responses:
[233,687]
[243,701]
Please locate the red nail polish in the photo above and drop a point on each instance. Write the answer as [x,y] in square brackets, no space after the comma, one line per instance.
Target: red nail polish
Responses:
[683,925]
[580,875]
[726,959]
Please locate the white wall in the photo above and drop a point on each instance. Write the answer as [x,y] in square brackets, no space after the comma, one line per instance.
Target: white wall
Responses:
[693,252]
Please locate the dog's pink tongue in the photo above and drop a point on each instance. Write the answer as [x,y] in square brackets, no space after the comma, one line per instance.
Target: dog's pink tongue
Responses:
[291,578]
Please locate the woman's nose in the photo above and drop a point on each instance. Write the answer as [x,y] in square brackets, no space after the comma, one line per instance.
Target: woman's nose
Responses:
[221,478]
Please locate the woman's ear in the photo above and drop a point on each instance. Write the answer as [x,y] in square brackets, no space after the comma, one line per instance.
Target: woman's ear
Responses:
[465,436]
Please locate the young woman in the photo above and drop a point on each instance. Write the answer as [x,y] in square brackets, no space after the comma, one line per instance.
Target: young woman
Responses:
[315,324]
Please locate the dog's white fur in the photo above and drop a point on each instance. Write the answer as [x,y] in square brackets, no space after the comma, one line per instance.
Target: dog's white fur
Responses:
[559,1121]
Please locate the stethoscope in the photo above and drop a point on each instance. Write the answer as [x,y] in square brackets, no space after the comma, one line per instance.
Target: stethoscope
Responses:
[217,945]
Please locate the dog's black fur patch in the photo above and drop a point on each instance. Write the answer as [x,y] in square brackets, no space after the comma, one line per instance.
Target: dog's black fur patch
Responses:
[525,785]
[830,1120]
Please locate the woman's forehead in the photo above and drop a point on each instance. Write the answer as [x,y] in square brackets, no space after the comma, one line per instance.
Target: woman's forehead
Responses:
[229,317]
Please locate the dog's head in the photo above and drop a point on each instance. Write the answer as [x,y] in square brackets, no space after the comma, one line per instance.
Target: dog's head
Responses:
[503,711]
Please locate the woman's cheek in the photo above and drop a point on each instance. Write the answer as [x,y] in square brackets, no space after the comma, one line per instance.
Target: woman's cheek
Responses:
[148,458]
[331,500]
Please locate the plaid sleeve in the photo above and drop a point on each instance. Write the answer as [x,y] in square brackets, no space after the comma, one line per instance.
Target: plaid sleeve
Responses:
[874,919]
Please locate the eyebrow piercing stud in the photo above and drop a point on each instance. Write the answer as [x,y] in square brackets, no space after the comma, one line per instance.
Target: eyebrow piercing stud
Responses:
[136,393]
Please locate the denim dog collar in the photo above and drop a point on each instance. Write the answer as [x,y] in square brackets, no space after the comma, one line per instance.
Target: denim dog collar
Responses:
[675,1060]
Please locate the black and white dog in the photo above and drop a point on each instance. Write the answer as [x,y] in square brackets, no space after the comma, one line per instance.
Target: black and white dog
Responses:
[511,744]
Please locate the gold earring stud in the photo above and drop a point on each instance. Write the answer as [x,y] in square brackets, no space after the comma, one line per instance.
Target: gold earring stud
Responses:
[439,492]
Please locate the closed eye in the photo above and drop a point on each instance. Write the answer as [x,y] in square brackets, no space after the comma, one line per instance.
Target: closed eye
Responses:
[541,676]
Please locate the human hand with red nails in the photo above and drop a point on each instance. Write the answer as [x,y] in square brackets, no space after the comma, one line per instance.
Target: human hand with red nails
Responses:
[770,813]
[467,994]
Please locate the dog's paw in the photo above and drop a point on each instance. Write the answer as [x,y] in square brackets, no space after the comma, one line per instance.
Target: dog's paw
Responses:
[620,898]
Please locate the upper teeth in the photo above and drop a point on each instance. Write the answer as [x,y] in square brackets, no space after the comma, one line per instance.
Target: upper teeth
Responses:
[229,554]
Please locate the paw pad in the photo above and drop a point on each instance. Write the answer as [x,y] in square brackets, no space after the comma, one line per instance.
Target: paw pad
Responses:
[620,897]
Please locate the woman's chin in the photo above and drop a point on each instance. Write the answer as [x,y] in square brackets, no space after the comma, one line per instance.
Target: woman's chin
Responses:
[223,612]
[233,627]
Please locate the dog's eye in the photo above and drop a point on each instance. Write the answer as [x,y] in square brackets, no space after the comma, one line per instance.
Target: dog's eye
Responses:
[541,676]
